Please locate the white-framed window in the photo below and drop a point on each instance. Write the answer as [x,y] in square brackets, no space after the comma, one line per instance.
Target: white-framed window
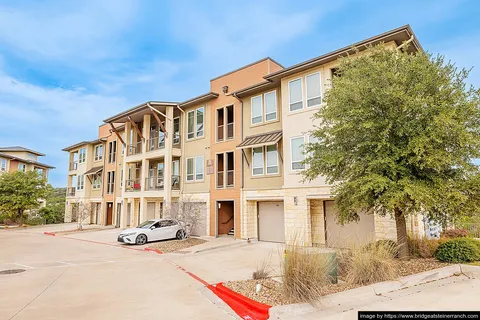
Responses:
[195,123]
[98,152]
[313,89]
[123,145]
[110,182]
[3,164]
[121,178]
[257,161]
[295,94]
[80,182]
[272,159]
[270,105]
[112,151]
[297,153]
[21,167]
[195,168]
[257,109]
[82,155]
[97,181]
[31,155]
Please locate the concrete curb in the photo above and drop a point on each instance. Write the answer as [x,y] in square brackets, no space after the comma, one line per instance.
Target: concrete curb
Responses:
[354,298]
[229,245]
[49,233]
[153,250]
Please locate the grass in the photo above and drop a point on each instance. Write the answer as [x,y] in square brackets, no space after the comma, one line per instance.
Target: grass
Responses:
[263,269]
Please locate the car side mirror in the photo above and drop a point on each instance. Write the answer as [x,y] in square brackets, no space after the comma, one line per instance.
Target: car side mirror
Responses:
[152,227]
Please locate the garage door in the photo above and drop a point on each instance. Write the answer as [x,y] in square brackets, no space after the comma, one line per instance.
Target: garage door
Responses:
[150,210]
[271,221]
[353,233]
[201,228]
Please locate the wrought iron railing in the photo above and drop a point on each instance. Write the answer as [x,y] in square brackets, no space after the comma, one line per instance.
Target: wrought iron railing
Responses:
[176,182]
[133,185]
[156,143]
[154,183]
[135,148]
[70,191]
[73,166]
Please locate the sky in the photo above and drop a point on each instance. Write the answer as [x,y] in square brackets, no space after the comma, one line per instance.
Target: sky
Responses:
[67,65]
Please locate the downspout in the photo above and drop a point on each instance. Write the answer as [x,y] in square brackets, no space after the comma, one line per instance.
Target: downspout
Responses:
[406,42]
[182,143]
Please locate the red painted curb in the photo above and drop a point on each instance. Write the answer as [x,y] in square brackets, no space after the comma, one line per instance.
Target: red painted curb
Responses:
[243,306]
[49,233]
[153,250]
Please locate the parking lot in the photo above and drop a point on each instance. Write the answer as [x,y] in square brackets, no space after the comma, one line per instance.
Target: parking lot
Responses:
[90,276]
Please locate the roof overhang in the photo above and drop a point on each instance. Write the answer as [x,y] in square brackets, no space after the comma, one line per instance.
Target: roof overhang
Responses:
[93,171]
[256,88]
[198,100]
[21,149]
[398,35]
[138,110]
[83,143]
[259,140]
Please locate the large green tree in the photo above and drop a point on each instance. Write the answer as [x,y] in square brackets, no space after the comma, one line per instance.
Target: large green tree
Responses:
[397,136]
[54,211]
[21,191]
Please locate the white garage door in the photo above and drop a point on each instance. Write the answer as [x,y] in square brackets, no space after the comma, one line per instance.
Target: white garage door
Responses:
[271,221]
[150,210]
[353,233]
[201,228]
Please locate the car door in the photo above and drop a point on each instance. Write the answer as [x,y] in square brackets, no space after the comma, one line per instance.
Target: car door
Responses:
[172,228]
[155,232]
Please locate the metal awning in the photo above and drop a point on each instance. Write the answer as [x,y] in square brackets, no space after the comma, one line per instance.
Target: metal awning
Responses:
[94,170]
[264,139]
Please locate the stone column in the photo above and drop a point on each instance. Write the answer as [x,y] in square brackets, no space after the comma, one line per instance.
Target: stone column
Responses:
[168,157]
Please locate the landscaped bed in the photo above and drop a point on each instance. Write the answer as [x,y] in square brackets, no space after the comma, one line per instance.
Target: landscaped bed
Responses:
[66,232]
[175,245]
[271,292]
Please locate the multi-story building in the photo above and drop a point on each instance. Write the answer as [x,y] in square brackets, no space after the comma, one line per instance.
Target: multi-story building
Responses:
[22,159]
[237,151]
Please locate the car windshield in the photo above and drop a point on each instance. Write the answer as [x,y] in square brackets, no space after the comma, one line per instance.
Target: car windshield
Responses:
[146,224]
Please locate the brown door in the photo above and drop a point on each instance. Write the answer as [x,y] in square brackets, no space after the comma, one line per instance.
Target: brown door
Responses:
[109,213]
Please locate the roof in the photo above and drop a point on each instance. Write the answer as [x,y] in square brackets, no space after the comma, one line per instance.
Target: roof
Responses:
[3,155]
[79,144]
[398,35]
[137,108]
[263,139]
[200,99]
[245,66]
[94,170]
[20,149]
[258,87]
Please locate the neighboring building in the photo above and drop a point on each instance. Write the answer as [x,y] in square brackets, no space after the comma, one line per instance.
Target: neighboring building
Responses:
[22,159]
[237,151]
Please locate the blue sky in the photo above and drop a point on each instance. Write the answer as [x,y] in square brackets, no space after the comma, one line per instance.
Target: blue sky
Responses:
[67,65]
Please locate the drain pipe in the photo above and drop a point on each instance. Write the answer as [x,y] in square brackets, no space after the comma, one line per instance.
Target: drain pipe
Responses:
[406,42]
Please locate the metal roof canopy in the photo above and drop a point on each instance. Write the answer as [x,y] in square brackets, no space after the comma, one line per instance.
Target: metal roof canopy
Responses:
[264,139]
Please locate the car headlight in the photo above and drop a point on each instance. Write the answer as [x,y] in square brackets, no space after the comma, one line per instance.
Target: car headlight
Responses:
[128,234]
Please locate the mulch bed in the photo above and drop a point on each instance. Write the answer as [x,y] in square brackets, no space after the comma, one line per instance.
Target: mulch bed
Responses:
[271,292]
[175,245]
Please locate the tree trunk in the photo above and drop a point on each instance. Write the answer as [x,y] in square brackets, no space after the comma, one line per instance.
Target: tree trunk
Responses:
[401,226]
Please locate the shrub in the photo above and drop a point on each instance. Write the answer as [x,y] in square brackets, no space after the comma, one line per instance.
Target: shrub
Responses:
[459,250]
[454,233]
[305,273]
[421,247]
[369,264]
[263,270]
[389,245]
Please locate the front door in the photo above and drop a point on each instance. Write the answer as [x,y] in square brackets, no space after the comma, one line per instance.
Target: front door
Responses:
[109,213]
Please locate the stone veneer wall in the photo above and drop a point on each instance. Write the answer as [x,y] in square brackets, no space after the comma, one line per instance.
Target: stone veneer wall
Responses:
[385,228]
[200,197]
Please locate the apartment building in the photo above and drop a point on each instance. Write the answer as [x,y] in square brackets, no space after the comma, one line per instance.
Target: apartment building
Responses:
[237,151]
[22,159]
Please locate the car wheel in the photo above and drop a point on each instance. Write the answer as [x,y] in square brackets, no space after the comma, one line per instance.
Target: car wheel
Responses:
[180,234]
[141,239]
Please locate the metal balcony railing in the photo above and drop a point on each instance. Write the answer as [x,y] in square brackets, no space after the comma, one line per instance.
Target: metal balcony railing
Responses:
[73,166]
[135,148]
[230,178]
[176,140]
[230,128]
[154,183]
[70,191]
[175,182]
[220,179]
[156,143]
[133,185]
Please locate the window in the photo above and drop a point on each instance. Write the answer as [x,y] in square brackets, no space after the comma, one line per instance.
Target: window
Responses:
[112,151]
[314,90]
[270,106]
[176,130]
[272,159]
[97,181]
[295,94]
[31,155]
[123,144]
[257,161]
[98,152]
[21,167]
[296,150]
[121,178]
[195,121]
[3,164]
[82,155]
[110,182]
[80,182]
[195,168]
[257,109]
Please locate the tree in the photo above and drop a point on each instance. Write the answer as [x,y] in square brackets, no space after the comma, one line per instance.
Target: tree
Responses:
[83,210]
[21,191]
[397,136]
[54,211]
[187,212]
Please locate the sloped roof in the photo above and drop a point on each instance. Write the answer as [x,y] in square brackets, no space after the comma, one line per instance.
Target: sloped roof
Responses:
[263,139]
[20,149]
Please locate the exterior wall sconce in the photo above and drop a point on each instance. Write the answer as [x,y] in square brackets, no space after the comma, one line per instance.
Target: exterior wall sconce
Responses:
[225,89]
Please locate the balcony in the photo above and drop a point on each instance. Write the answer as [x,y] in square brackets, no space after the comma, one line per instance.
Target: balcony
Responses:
[73,166]
[132,185]
[135,148]
[154,183]
[176,140]
[71,192]
[156,143]
[175,182]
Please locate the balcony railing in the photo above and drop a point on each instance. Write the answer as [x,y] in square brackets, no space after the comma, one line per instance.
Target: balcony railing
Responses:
[154,183]
[220,179]
[220,133]
[176,140]
[73,166]
[156,143]
[175,182]
[70,191]
[230,130]
[230,178]
[135,148]
[133,185]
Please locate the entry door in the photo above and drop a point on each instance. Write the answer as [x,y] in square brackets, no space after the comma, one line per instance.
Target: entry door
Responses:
[150,210]
[129,213]
[119,213]
[109,213]
[271,221]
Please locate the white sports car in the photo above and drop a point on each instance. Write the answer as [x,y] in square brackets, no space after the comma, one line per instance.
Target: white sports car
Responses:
[152,230]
